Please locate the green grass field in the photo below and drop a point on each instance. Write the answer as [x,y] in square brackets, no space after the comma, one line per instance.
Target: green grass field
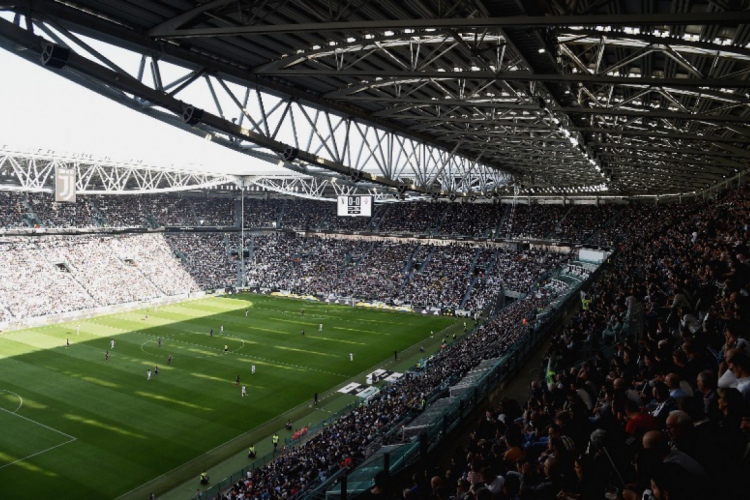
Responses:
[77,426]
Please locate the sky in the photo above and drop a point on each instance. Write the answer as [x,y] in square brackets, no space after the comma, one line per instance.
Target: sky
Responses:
[39,109]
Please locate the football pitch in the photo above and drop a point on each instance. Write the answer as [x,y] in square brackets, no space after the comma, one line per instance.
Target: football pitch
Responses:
[77,425]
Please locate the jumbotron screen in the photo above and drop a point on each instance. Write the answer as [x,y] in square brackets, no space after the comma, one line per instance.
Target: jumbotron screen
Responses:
[355,206]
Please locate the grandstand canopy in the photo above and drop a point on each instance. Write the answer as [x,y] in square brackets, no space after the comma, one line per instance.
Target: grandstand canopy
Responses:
[468,97]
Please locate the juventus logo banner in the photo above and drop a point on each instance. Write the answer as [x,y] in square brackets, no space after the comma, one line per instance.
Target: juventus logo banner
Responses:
[65,184]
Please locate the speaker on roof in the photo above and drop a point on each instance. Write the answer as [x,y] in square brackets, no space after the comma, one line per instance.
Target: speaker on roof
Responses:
[192,115]
[54,56]
[473,198]
[435,196]
[452,197]
[290,154]
[356,176]
[402,189]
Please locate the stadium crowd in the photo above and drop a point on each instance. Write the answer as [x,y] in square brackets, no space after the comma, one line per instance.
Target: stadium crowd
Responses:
[12,210]
[517,271]
[667,416]
[446,277]
[263,212]
[304,214]
[53,214]
[469,219]
[582,220]
[380,275]
[275,257]
[343,443]
[414,218]
[207,257]
[458,219]
[214,211]
[531,221]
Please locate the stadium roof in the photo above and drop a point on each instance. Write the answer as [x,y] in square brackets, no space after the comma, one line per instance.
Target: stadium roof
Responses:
[425,96]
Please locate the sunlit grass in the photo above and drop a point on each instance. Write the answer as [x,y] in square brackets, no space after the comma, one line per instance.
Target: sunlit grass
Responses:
[109,430]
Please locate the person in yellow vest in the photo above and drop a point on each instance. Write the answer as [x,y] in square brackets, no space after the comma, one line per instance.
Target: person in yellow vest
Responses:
[251,452]
[275,440]
[204,478]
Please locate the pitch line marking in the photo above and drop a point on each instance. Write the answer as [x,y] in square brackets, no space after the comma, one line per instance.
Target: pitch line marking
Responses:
[38,423]
[70,438]
[37,453]
[16,395]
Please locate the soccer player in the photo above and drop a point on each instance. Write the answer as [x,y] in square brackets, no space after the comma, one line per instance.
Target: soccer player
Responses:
[351,356]
[395,355]
[169,360]
[159,339]
[111,344]
[211,332]
[78,330]
[320,327]
[156,370]
[253,369]
[106,355]
[303,332]
[315,399]
[247,311]
[303,312]
[67,342]
[148,374]
[226,349]
[222,329]
[237,381]
[244,391]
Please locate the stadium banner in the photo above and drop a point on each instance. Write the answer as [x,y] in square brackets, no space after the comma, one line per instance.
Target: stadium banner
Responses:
[65,184]
[354,206]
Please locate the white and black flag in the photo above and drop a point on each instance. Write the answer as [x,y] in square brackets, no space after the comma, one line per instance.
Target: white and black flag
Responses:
[65,184]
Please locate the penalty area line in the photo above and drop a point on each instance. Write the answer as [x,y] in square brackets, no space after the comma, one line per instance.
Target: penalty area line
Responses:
[39,423]
[39,452]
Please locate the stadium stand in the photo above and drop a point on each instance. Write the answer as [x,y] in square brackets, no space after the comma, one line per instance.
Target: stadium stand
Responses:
[52,214]
[444,280]
[469,219]
[532,221]
[262,213]
[582,220]
[304,214]
[206,257]
[214,211]
[646,385]
[649,415]
[13,211]
[414,218]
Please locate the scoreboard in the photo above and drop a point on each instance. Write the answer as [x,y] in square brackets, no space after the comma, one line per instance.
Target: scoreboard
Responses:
[354,206]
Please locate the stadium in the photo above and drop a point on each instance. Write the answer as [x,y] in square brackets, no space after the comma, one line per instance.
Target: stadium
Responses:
[316,249]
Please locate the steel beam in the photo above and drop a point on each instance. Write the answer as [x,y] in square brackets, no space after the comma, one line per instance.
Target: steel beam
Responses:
[477,23]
